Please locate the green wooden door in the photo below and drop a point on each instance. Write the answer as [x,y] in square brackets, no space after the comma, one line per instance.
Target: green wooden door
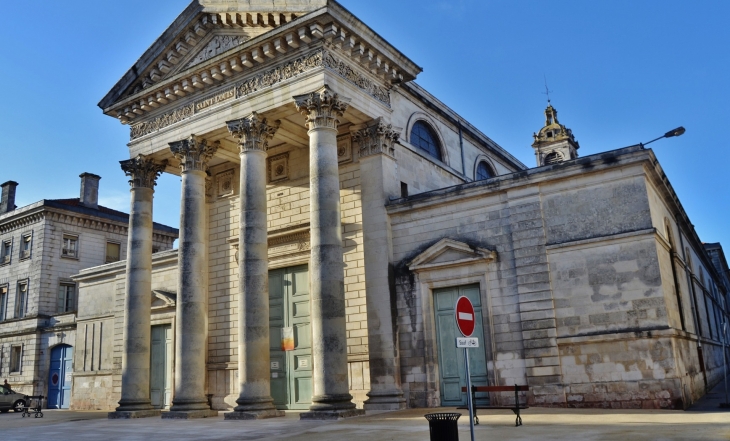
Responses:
[291,371]
[452,371]
[161,367]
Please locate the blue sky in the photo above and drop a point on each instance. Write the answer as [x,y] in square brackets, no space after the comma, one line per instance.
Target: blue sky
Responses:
[621,72]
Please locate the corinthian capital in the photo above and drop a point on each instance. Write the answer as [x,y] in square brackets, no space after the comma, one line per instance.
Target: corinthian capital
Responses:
[143,172]
[253,132]
[322,108]
[193,153]
[378,137]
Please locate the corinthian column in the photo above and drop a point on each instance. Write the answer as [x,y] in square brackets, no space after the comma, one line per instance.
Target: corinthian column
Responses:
[135,402]
[332,399]
[254,400]
[191,321]
[379,181]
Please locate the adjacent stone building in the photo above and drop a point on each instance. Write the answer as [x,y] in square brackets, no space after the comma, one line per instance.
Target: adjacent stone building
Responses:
[41,246]
[332,211]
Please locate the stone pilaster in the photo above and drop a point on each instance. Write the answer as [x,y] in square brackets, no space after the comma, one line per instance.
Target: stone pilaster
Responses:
[135,401]
[191,322]
[378,182]
[254,400]
[331,399]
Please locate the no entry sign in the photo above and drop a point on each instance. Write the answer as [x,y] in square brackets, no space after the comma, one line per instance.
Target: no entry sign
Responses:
[465,318]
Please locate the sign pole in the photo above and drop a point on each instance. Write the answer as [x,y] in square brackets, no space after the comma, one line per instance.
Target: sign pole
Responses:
[469,401]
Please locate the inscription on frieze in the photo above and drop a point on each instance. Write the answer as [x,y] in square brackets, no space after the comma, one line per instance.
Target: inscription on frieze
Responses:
[215,99]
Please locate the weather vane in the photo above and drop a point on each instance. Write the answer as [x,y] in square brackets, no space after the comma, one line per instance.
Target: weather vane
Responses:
[547,91]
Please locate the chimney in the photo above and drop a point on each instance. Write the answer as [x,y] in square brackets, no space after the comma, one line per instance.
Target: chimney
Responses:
[89,190]
[7,203]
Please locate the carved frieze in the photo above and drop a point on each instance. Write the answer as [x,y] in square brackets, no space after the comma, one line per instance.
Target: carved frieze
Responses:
[278,167]
[193,153]
[322,108]
[317,59]
[344,70]
[143,172]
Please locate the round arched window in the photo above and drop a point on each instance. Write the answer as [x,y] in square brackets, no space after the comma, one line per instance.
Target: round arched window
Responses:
[423,137]
[553,158]
[484,171]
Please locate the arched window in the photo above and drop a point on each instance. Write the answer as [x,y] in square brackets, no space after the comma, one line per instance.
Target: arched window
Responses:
[484,171]
[423,137]
[553,158]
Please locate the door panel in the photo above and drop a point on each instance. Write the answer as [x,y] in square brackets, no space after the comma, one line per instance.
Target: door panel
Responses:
[452,371]
[291,371]
[59,377]
[161,366]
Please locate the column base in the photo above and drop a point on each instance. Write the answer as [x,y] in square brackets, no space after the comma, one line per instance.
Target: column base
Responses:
[331,414]
[189,414]
[132,414]
[385,400]
[254,414]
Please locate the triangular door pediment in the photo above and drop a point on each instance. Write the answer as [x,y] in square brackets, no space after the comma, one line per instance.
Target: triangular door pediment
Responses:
[163,299]
[449,252]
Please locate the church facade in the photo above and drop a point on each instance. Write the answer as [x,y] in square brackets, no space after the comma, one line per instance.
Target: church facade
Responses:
[332,211]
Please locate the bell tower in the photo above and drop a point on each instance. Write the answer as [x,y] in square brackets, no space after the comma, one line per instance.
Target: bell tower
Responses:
[554,142]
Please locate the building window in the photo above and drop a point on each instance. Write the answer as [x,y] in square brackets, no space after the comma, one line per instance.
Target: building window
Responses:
[5,252]
[16,353]
[70,246]
[423,137]
[67,297]
[3,301]
[484,171]
[25,246]
[21,300]
[553,158]
[112,252]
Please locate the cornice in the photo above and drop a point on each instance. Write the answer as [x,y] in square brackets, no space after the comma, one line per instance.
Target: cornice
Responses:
[347,53]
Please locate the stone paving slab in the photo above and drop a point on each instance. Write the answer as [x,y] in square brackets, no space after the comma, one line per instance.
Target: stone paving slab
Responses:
[407,425]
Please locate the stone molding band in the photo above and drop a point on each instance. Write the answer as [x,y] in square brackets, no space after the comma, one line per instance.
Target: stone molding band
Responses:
[253,132]
[143,171]
[193,153]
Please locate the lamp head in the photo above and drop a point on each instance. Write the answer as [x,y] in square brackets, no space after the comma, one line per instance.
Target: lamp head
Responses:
[679,131]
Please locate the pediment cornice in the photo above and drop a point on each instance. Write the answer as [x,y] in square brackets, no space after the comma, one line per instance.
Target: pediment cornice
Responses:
[214,48]
[447,253]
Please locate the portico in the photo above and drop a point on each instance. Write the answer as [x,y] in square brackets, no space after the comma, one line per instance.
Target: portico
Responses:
[246,122]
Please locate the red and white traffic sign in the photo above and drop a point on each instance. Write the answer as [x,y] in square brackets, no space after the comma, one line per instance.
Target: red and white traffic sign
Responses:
[465,319]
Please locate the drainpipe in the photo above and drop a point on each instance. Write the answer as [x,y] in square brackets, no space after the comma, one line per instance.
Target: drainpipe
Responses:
[461,147]
[698,329]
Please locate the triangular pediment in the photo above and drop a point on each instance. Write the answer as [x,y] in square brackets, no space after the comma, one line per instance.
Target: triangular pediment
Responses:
[449,252]
[204,30]
[163,299]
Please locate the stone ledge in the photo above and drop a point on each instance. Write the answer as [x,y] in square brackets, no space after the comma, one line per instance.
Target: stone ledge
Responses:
[254,415]
[331,414]
[133,414]
[189,415]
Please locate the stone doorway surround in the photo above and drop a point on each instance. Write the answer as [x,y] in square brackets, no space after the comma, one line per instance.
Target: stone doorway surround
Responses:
[450,263]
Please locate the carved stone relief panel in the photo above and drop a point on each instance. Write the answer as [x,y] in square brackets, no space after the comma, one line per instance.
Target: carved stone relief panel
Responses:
[344,148]
[218,45]
[225,184]
[278,167]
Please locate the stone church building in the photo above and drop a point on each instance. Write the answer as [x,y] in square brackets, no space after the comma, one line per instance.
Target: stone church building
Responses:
[332,211]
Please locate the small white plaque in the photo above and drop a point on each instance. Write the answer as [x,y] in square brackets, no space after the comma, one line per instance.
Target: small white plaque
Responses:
[303,362]
[274,375]
[274,365]
[467,342]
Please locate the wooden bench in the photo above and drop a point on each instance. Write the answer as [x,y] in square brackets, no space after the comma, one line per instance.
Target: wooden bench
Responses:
[516,408]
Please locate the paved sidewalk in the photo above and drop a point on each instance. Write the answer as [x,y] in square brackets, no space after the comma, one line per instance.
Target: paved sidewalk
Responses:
[408,425]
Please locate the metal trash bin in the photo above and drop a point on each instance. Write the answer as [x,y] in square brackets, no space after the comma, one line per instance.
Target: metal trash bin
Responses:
[443,426]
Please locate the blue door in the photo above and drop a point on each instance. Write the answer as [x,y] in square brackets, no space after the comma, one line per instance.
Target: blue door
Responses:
[59,377]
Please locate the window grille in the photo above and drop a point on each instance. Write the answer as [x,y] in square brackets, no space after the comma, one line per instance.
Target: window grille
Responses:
[423,137]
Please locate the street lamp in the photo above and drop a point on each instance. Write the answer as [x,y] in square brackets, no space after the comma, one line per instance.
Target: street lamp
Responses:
[679,131]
